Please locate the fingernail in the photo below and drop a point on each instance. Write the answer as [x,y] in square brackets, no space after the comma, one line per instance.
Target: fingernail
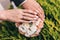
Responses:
[30,21]
[37,11]
[44,16]
[43,19]
[36,16]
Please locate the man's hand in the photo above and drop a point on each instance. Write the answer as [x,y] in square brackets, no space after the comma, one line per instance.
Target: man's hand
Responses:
[18,15]
[34,6]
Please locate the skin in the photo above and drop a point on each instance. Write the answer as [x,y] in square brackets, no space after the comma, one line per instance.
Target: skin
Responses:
[34,6]
[17,15]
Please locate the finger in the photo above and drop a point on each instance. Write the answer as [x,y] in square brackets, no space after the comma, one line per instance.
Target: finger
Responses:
[38,30]
[18,24]
[30,7]
[34,35]
[41,25]
[37,33]
[29,11]
[29,18]
[37,6]
[30,15]
[23,21]
[21,32]
[40,14]
[39,10]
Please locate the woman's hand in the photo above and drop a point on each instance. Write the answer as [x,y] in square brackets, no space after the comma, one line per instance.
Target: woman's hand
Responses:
[19,15]
[34,6]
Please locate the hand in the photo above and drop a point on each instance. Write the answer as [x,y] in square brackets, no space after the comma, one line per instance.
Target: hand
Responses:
[19,15]
[33,5]
[40,26]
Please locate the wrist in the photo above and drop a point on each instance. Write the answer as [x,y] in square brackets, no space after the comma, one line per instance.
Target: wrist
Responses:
[2,15]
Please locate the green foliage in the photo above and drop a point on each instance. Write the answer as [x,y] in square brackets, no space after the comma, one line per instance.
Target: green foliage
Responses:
[51,30]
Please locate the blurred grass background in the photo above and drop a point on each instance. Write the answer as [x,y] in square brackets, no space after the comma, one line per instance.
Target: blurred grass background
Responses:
[51,30]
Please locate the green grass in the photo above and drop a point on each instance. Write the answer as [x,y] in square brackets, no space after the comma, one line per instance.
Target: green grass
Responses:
[51,30]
